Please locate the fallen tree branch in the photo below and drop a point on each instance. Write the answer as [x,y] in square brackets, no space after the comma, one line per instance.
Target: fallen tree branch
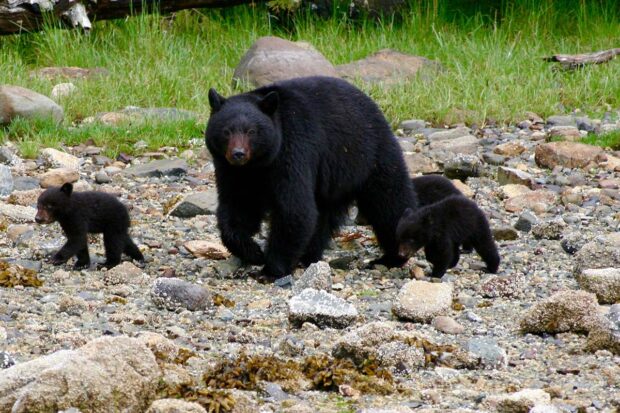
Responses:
[18,16]
[579,60]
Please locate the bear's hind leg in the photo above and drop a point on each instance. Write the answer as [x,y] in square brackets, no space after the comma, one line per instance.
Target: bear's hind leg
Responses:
[486,248]
[132,250]
[114,244]
[83,259]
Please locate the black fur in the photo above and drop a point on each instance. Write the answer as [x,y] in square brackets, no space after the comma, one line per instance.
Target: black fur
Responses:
[441,227]
[433,188]
[304,150]
[80,213]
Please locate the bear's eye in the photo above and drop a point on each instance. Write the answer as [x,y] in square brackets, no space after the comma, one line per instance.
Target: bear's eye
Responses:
[227,132]
[251,132]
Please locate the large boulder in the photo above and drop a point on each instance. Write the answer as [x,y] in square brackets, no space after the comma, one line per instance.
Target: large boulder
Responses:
[17,101]
[271,59]
[568,154]
[107,374]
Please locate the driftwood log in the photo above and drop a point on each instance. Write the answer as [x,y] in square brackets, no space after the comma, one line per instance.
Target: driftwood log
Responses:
[573,61]
[18,16]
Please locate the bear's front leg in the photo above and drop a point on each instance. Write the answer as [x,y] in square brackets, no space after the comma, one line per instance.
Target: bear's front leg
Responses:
[72,246]
[293,223]
[237,225]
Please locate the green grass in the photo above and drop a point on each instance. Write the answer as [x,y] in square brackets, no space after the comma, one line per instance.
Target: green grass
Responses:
[607,140]
[492,66]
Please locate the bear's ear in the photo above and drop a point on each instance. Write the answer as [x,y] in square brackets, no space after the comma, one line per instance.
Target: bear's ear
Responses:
[67,188]
[269,103]
[408,212]
[215,100]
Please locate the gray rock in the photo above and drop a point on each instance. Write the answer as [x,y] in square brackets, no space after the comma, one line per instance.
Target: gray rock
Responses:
[159,168]
[606,335]
[418,163]
[447,325]
[6,181]
[321,308]
[175,406]
[91,377]
[101,177]
[317,276]
[28,264]
[271,59]
[493,158]
[6,360]
[488,353]
[63,90]
[507,176]
[602,252]
[449,134]
[421,301]
[604,282]
[412,125]
[572,242]
[198,203]
[526,221]
[505,233]
[387,67]
[462,167]
[25,183]
[6,155]
[561,120]
[275,391]
[467,144]
[18,101]
[174,293]
[551,229]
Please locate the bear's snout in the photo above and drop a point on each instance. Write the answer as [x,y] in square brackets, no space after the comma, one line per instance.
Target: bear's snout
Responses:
[238,151]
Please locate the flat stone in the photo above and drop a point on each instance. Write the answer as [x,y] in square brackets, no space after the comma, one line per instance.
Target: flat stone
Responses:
[520,402]
[565,311]
[507,176]
[551,229]
[538,201]
[467,144]
[317,276]
[198,203]
[449,134]
[447,325]
[175,406]
[420,301]
[271,59]
[568,154]
[58,177]
[321,308]
[25,183]
[412,125]
[510,148]
[173,293]
[207,249]
[20,102]
[604,282]
[58,159]
[124,273]
[512,190]
[418,163]
[488,353]
[386,66]
[159,168]
[504,233]
[17,213]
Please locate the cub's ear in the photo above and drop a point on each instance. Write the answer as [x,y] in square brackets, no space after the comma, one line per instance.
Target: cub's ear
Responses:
[215,100]
[269,103]
[67,188]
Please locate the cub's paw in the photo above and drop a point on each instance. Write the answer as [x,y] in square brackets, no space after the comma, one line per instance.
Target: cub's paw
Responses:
[57,260]
[81,265]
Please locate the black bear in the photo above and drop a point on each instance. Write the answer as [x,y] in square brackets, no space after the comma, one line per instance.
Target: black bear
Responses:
[80,213]
[441,227]
[303,150]
[433,188]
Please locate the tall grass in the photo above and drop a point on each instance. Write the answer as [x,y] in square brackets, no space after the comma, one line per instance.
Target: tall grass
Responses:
[491,58]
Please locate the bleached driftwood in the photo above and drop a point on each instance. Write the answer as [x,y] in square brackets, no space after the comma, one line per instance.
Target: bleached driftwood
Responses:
[573,61]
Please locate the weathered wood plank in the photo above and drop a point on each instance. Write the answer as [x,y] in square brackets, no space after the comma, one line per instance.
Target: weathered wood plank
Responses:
[578,60]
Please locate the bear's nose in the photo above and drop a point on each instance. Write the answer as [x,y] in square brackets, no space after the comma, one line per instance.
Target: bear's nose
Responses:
[238,154]
[38,220]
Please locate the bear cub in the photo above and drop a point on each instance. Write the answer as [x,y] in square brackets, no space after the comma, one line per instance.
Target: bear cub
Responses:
[433,188]
[441,227]
[81,213]
[299,152]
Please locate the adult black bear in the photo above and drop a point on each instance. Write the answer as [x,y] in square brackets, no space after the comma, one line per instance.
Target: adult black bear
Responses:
[303,150]
[81,213]
[441,227]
